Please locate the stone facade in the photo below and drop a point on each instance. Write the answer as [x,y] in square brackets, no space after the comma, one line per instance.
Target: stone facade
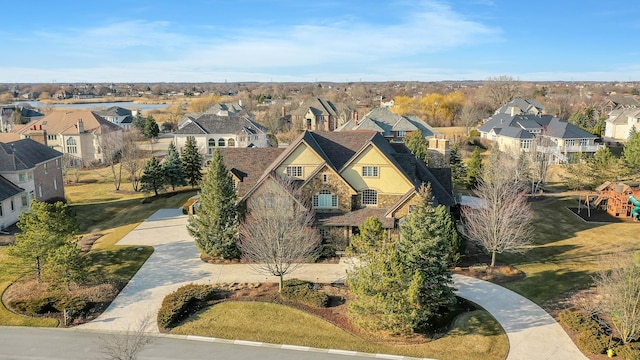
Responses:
[335,185]
[386,201]
[404,209]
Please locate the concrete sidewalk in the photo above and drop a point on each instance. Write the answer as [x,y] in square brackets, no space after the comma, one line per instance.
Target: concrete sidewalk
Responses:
[533,334]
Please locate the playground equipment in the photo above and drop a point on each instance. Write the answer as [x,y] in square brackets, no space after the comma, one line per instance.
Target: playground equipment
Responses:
[635,212]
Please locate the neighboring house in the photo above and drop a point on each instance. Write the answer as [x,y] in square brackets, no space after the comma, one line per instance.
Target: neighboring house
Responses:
[346,177]
[519,106]
[614,102]
[28,171]
[7,116]
[211,131]
[541,132]
[392,126]
[621,123]
[79,134]
[321,115]
[117,115]
[219,109]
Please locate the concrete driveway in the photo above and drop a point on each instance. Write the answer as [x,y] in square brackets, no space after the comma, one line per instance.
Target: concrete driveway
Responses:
[533,334]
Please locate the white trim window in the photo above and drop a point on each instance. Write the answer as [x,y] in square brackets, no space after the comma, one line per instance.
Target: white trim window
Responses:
[294,171]
[525,144]
[369,197]
[72,146]
[370,171]
[325,200]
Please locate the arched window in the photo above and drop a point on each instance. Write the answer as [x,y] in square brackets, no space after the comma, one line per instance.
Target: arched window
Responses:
[72,147]
[369,197]
[221,142]
[231,143]
[325,200]
[212,145]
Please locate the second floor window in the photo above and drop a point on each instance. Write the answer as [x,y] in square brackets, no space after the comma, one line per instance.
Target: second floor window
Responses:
[584,142]
[22,177]
[369,197]
[402,133]
[212,145]
[325,200]
[72,147]
[294,171]
[370,171]
[525,144]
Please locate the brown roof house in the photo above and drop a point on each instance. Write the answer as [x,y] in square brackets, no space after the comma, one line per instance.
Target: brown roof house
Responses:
[79,135]
[321,115]
[346,177]
[28,171]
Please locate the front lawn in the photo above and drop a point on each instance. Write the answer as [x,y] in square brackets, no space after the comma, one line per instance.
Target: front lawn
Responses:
[474,335]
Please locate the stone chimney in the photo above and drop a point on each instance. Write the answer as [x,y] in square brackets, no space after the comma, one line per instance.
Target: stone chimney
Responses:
[80,126]
[515,110]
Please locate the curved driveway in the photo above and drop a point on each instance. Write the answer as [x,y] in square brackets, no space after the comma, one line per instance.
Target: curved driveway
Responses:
[533,334]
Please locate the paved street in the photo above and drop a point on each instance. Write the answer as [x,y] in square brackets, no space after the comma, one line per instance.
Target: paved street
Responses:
[532,333]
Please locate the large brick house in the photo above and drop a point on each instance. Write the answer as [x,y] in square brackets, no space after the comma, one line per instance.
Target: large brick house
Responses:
[346,177]
[28,171]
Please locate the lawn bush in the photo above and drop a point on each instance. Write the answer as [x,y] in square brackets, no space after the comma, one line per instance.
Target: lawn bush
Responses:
[628,351]
[304,292]
[579,322]
[34,306]
[593,342]
[183,302]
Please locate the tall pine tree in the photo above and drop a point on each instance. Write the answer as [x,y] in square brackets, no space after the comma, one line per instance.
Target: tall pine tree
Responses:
[192,162]
[172,168]
[215,225]
[631,153]
[458,168]
[403,286]
[152,179]
[418,145]
[474,168]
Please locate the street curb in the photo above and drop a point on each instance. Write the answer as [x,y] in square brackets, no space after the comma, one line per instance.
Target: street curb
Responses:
[291,347]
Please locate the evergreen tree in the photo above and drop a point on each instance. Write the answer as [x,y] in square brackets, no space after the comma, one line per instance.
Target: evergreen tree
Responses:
[215,225]
[172,168]
[474,168]
[152,177]
[403,286]
[631,153]
[151,128]
[447,224]
[458,168]
[371,235]
[139,123]
[604,166]
[46,231]
[418,145]
[192,162]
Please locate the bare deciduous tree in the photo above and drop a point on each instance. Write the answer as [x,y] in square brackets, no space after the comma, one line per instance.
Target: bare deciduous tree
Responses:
[132,157]
[277,234]
[500,90]
[111,146]
[619,290]
[470,116]
[502,223]
[127,346]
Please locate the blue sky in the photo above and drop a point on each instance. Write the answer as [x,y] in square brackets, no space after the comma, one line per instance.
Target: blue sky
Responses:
[333,40]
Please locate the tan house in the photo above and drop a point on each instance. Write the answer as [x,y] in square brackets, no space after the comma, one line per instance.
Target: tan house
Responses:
[321,115]
[621,123]
[346,177]
[81,135]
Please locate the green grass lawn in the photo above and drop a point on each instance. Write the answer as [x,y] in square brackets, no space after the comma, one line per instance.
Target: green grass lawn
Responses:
[566,251]
[475,335]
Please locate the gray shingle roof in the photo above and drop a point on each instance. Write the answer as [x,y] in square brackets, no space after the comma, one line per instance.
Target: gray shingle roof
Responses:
[214,124]
[113,111]
[385,121]
[8,189]
[518,126]
[28,153]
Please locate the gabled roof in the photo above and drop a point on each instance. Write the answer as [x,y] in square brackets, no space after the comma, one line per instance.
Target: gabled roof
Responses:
[624,101]
[248,164]
[232,108]
[65,122]
[621,116]
[317,106]
[564,130]
[385,121]
[518,126]
[8,189]
[215,124]
[526,106]
[113,111]
[25,154]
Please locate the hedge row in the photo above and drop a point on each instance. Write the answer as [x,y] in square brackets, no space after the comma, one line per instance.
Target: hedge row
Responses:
[183,302]
[304,292]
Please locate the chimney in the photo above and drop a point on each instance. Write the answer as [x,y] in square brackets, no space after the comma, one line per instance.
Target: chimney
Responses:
[283,112]
[80,126]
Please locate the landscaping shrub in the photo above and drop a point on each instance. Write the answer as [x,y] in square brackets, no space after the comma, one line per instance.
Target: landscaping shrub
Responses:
[304,292]
[34,306]
[627,352]
[594,343]
[579,322]
[184,301]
